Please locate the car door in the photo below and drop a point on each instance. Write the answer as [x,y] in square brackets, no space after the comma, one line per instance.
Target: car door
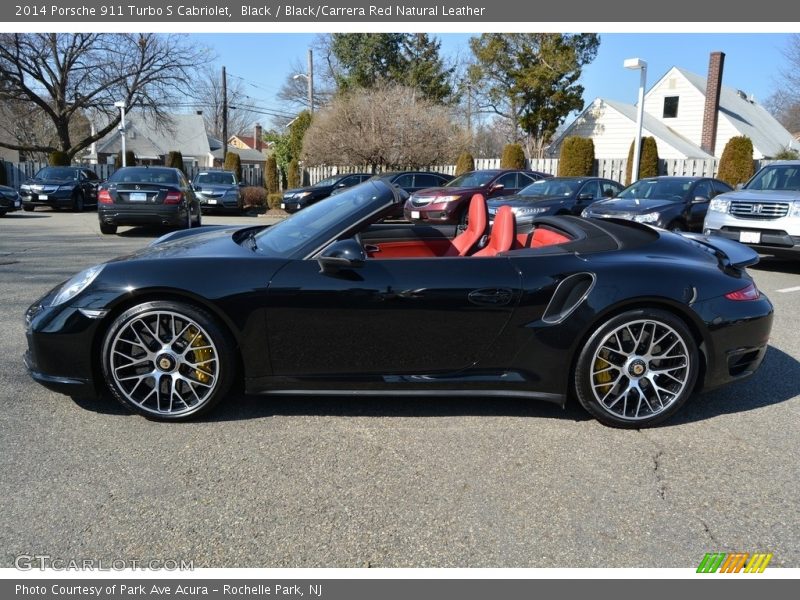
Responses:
[697,211]
[589,192]
[411,316]
[508,183]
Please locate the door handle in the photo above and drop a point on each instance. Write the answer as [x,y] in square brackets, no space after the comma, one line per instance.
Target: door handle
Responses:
[491,296]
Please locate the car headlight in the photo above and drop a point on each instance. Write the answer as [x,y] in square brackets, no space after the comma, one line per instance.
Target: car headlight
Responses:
[586,213]
[301,195]
[719,205]
[440,199]
[529,211]
[647,218]
[76,284]
[232,193]
[794,211]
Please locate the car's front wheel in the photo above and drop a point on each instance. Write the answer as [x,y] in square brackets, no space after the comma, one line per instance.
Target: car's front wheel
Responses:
[167,360]
[77,202]
[637,369]
[28,207]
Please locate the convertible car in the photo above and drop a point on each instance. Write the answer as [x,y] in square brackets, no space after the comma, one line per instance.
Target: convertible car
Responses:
[628,319]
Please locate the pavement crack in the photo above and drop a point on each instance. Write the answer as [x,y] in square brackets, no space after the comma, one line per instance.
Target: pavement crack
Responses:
[709,533]
[661,485]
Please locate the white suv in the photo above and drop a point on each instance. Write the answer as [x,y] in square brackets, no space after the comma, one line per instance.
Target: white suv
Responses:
[764,214]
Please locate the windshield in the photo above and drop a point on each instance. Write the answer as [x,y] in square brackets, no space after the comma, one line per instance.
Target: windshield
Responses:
[322,221]
[219,178]
[57,173]
[473,179]
[779,177]
[552,187]
[658,189]
[327,182]
[143,175]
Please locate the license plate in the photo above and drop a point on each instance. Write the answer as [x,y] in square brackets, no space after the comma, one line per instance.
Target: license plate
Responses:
[42,196]
[17,203]
[283,205]
[138,197]
[298,207]
[415,214]
[750,237]
[210,201]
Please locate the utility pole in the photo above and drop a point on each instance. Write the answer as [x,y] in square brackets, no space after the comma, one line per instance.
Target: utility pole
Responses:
[469,109]
[224,116]
[311,80]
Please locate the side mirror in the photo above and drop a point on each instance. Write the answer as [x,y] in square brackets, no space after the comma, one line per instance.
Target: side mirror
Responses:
[241,184]
[344,254]
[739,186]
[584,197]
[340,185]
[699,200]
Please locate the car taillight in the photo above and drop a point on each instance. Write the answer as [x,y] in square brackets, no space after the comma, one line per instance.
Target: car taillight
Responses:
[103,197]
[173,198]
[746,293]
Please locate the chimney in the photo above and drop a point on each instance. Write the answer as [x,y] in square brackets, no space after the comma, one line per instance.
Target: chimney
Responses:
[708,137]
[259,138]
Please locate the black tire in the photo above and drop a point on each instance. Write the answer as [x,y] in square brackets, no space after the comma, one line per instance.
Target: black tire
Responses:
[188,223]
[77,202]
[677,226]
[637,360]
[198,222]
[108,228]
[165,379]
[28,207]
[2,213]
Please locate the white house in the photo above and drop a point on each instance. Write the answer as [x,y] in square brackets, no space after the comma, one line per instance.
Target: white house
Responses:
[685,120]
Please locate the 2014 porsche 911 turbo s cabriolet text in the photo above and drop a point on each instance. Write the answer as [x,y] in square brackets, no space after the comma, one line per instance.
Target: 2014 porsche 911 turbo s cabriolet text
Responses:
[629,319]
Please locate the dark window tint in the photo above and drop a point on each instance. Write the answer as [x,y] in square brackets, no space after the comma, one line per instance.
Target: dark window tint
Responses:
[348,181]
[610,189]
[423,180]
[720,187]
[703,189]
[508,181]
[523,180]
[592,188]
[405,181]
[670,107]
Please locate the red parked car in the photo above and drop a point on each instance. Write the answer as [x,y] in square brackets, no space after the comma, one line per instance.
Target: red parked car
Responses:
[448,205]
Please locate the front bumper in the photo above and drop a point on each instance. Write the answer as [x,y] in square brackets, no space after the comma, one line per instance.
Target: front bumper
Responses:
[218,204]
[444,213]
[172,215]
[53,199]
[769,236]
[8,205]
[292,205]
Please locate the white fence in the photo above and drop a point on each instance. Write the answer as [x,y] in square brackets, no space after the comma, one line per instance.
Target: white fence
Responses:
[18,173]
[610,168]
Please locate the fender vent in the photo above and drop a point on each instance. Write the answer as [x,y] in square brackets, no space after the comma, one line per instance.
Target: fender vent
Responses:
[568,296]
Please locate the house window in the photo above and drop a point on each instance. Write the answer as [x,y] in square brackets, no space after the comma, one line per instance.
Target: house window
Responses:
[670,107]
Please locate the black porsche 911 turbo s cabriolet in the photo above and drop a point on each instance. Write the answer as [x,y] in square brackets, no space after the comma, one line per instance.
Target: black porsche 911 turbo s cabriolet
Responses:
[629,319]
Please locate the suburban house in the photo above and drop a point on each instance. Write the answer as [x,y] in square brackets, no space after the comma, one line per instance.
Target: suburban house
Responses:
[248,156]
[152,143]
[249,142]
[690,116]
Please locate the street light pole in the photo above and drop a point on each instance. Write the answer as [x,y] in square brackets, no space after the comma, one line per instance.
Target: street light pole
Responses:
[309,77]
[634,64]
[121,106]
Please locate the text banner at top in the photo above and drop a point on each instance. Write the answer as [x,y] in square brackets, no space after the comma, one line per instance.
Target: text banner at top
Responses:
[344,11]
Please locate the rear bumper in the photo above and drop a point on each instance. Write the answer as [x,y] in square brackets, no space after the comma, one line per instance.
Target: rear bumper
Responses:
[115,214]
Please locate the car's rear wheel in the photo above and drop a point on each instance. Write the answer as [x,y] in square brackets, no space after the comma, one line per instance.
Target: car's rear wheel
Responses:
[188,223]
[77,202]
[637,369]
[167,360]
[198,222]
[108,228]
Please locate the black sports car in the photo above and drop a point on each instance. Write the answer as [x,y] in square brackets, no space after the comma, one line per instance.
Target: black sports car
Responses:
[676,203]
[60,187]
[630,319]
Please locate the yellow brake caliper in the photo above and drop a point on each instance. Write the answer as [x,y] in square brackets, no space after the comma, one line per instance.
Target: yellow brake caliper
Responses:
[602,379]
[201,353]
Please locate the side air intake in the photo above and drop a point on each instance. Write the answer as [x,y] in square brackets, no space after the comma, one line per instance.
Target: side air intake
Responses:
[568,296]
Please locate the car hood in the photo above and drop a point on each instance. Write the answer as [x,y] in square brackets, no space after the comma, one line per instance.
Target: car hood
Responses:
[50,181]
[762,195]
[630,205]
[527,201]
[326,188]
[214,187]
[449,191]
[207,242]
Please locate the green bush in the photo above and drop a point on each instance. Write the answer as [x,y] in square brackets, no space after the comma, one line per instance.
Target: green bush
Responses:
[254,197]
[465,163]
[513,157]
[293,175]
[787,154]
[576,158]
[274,200]
[58,159]
[736,165]
[271,175]
[175,160]
[648,160]
[130,159]
[233,162]
[3,174]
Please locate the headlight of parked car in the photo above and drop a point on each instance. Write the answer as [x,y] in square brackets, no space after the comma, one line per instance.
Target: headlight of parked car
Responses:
[529,211]
[647,218]
[586,213]
[76,284]
[301,195]
[719,205]
[795,210]
[440,199]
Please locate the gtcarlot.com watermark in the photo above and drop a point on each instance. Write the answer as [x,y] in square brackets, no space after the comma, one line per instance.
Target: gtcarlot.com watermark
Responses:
[44,562]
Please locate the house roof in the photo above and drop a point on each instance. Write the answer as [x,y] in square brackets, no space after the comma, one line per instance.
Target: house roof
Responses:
[660,130]
[248,140]
[183,132]
[246,155]
[747,116]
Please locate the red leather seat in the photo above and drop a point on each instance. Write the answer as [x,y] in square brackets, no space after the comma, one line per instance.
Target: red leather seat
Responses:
[547,237]
[504,233]
[476,228]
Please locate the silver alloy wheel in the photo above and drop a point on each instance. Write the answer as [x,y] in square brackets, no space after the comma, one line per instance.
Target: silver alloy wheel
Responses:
[164,363]
[639,370]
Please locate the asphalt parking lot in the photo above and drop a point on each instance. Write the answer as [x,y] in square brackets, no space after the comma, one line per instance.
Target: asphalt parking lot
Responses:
[322,482]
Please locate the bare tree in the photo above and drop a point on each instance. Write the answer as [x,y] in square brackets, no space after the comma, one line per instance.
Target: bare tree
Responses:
[386,126]
[208,97]
[293,95]
[784,103]
[68,76]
